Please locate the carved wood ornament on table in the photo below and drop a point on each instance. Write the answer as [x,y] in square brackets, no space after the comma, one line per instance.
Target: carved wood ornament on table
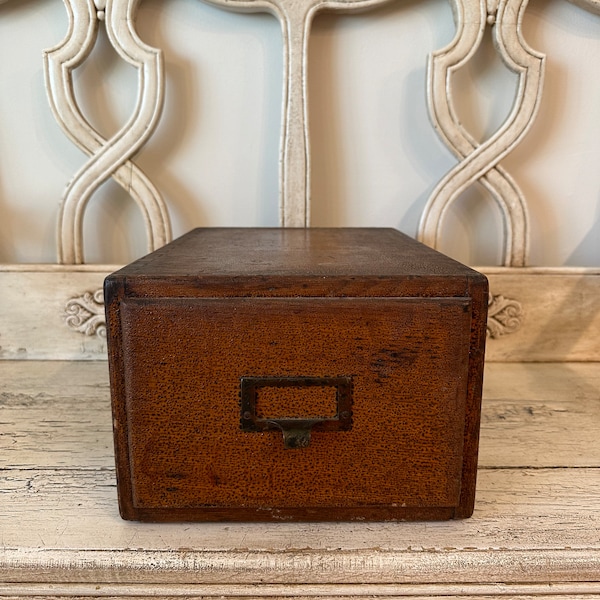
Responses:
[478,162]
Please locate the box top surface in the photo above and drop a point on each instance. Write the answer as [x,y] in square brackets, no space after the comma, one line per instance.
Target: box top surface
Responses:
[313,252]
[339,262]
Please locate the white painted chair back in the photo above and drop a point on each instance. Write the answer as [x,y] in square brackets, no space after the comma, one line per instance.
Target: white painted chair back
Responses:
[65,316]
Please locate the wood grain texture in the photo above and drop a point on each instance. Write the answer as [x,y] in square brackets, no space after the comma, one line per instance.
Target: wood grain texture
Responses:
[188,323]
[186,452]
[524,402]
[534,534]
[295,592]
[551,406]
[462,591]
[221,262]
[519,513]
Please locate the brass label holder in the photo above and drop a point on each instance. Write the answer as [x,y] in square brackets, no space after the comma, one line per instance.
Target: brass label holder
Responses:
[296,430]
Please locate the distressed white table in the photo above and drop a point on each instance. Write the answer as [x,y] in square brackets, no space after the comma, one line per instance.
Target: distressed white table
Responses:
[536,527]
[535,531]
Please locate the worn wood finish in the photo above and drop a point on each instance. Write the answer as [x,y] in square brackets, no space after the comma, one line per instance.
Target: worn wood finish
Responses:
[534,532]
[339,592]
[422,592]
[71,516]
[401,324]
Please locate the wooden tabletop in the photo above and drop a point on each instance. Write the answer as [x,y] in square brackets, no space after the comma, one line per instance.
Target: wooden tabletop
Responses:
[535,531]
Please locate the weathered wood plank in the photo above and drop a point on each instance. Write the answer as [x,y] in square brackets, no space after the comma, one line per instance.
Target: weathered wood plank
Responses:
[310,567]
[559,314]
[517,509]
[569,591]
[540,415]
[55,414]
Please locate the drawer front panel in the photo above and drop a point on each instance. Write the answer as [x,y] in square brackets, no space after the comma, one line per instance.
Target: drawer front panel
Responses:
[403,363]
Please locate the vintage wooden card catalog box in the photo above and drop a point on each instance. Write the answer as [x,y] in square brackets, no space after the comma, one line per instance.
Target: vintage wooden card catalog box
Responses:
[314,374]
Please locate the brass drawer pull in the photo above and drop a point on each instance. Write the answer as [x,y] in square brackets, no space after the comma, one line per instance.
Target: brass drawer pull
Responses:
[296,429]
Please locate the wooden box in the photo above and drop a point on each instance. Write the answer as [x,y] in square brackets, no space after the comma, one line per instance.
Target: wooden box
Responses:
[309,374]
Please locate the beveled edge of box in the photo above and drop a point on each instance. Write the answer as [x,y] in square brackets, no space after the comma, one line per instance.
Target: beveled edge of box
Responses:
[271,251]
[113,294]
[211,514]
[479,293]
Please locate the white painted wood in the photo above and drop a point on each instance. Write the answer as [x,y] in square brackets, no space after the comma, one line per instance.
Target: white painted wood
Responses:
[107,157]
[35,313]
[296,18]
[550,404]
[530,526]
[559,316]
[591,5]
[535,531]
[479,161]
[534,315]
[59,514]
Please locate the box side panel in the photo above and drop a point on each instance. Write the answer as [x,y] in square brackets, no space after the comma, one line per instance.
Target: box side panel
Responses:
[113,300]
[479,290]
[185,359]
